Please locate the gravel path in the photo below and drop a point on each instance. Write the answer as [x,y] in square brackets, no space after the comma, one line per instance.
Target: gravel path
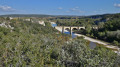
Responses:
[98,41]
[92,40]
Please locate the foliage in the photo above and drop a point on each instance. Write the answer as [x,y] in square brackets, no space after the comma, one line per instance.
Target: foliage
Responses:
[33,45]
[108,26]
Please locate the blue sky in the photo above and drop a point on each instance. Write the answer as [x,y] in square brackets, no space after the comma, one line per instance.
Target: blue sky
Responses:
[59,7]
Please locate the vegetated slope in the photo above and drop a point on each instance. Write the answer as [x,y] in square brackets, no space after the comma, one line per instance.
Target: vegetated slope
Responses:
[31,44]
[108,26]
[108,30]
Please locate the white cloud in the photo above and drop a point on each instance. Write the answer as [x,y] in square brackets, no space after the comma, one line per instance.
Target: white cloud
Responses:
[117,5]
[73,9]
[6,8]
[99,11]
[60,8]
[68,11]
[76,9]
[95,11]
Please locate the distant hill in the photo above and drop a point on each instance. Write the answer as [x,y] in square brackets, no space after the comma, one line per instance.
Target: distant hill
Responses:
[103,16]
[38,15]
[26,15]
[60,16]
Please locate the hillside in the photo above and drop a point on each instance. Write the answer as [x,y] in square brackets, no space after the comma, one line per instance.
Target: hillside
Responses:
[108,26]
[31,44]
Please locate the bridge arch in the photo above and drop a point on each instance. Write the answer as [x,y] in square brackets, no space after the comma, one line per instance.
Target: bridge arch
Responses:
[74,29]
[67,29]
[81,28]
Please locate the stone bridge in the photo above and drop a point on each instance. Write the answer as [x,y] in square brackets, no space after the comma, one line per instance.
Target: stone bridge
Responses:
[71,28]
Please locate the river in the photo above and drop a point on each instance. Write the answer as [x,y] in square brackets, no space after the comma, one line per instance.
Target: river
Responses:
[93,42]
[92,45]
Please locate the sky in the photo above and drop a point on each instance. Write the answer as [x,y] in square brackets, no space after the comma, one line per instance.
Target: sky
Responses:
[59,7]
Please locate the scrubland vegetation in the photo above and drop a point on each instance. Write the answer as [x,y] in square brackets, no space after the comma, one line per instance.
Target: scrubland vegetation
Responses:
[33,45]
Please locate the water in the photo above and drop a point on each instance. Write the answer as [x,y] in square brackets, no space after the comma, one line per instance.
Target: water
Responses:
[92,45]
[54,25]
[73,34]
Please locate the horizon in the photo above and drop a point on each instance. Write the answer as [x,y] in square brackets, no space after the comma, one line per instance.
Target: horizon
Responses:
[59,15]
[60,7]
